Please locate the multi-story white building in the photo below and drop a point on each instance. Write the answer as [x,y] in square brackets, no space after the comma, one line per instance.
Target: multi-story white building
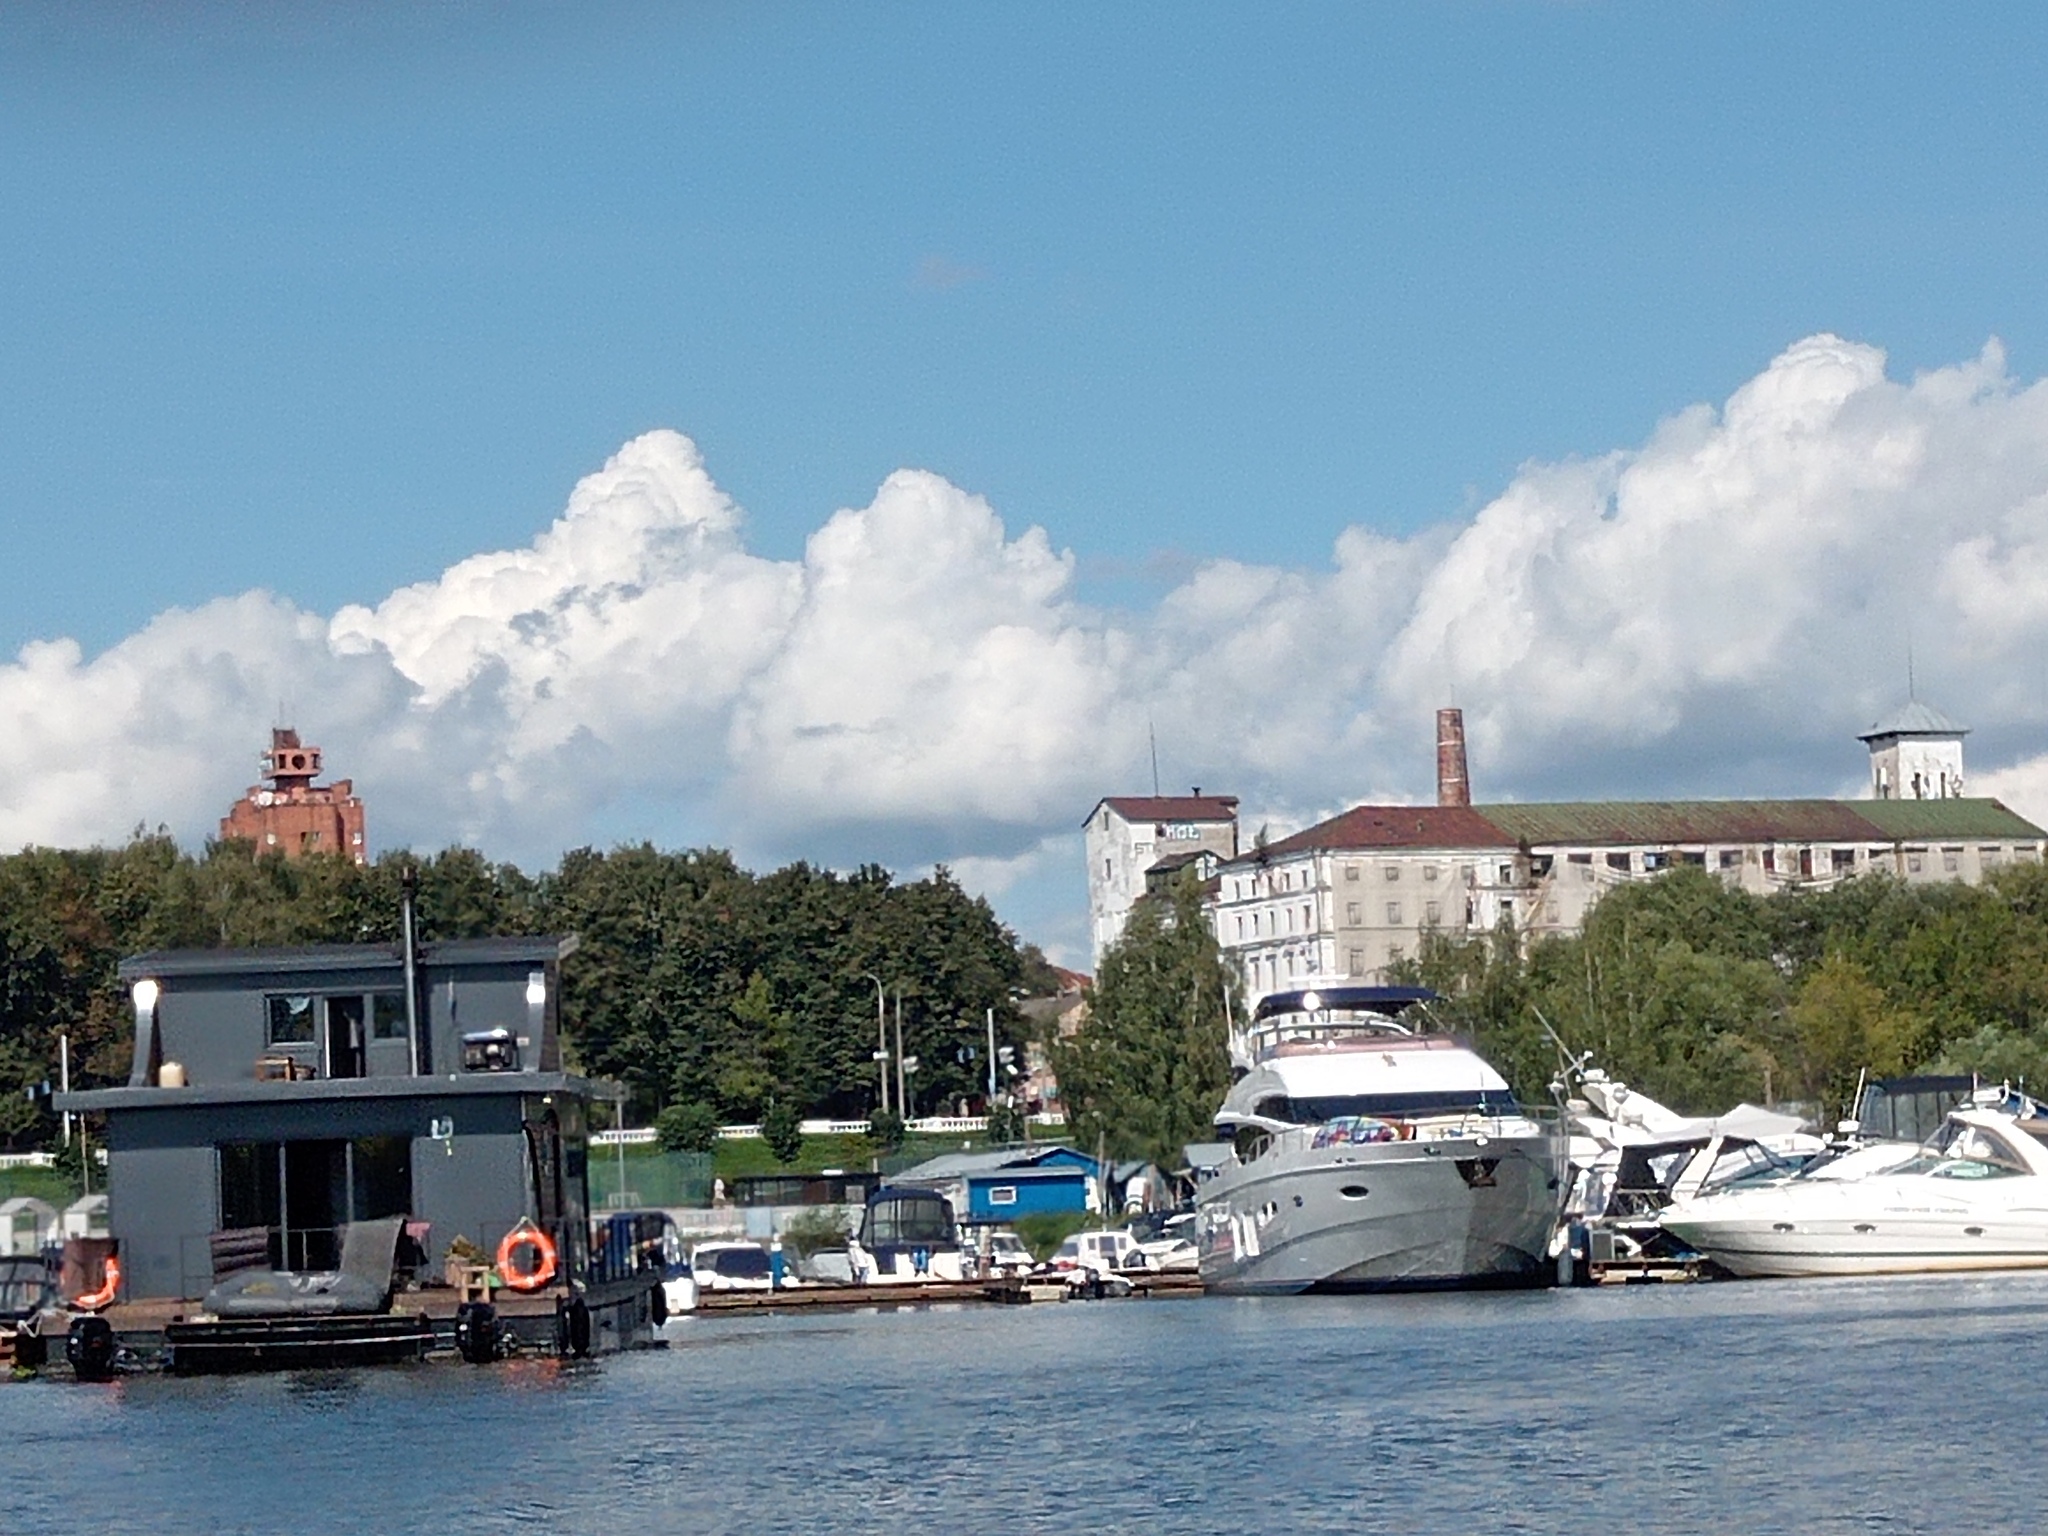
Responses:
[1126,835]
[1352,894]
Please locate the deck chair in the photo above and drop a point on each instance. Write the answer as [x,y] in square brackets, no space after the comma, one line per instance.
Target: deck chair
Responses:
[362,1283]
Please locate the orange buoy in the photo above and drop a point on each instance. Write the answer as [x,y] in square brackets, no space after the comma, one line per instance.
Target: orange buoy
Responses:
[110,1282]
[518,1275]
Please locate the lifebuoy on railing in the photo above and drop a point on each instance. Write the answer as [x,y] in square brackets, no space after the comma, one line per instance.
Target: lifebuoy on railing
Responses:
[517,1275]
[110,1282]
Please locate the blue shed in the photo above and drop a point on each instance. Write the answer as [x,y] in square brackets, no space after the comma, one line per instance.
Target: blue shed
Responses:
[1000,1186]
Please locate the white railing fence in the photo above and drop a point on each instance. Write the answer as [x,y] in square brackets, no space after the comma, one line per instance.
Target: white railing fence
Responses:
[931,1125]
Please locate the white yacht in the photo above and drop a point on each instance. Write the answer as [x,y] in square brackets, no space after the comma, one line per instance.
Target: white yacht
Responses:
[1367,1157]
[1975,1196]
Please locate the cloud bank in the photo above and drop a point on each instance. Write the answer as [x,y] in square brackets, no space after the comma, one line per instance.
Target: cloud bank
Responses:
[1716,610]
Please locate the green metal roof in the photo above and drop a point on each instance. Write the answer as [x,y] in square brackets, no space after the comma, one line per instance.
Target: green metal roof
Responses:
[1681,821]
[1912,820]
[1593,822]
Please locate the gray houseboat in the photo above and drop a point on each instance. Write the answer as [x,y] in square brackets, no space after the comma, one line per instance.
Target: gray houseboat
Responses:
[280,1096]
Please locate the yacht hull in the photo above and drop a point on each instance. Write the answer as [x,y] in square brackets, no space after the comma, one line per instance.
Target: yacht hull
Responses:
[1403,1215]
[1858,1230]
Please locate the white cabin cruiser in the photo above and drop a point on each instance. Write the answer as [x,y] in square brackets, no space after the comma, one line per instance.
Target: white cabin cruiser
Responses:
[1975,1196]
[1367,1157]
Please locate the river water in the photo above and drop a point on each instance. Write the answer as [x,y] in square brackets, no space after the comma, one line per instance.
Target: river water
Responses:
[1890,1405]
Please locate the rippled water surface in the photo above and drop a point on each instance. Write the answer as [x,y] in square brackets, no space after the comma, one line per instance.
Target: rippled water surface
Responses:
[1790,1406]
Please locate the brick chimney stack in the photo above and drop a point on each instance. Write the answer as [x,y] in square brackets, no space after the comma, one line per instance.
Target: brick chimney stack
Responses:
[1453,787]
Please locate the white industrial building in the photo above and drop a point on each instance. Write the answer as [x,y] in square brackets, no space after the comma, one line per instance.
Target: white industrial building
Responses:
[1347,897]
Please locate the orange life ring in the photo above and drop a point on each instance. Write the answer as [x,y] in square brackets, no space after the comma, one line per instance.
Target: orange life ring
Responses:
[110,1282]
[527,1235]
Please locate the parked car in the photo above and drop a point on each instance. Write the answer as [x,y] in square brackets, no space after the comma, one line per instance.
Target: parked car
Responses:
[731,1267]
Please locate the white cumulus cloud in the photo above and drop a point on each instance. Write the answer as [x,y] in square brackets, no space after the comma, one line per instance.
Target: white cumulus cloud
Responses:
[1715,610]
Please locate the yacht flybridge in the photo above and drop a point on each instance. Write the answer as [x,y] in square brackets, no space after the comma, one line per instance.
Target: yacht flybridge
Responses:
[1366,1156]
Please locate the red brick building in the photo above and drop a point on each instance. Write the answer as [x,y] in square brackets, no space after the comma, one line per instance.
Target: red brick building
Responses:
[289,814]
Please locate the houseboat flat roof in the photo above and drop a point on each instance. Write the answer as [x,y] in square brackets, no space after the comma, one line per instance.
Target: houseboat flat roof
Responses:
[326,1088]
[345,957]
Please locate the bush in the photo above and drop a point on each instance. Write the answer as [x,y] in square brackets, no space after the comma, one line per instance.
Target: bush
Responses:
[1005,1124]
[1043,1231]
[818,1230]
[885,1130]
[687,1128]
[783,1129]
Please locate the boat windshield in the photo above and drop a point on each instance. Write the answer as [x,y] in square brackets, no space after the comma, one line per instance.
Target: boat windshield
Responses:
[908,1221]
[1963,1151]
[749,1263]
[1382,1106]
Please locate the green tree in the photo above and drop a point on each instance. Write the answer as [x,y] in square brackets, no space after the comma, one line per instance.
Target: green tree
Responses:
[782,1127]
[1146,1073]
[691,1127]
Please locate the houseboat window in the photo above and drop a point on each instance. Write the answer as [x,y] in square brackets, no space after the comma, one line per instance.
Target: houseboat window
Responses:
[1003,1194]
[250,1181]
[291,1020]
[380,1177]
[387,1016]
[304,1192]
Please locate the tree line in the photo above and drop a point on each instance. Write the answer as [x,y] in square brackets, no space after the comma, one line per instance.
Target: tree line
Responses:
[696,982]
[1692,991]
[1702,995]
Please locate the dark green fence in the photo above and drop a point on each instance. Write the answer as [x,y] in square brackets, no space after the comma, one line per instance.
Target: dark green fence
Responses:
[651,1178]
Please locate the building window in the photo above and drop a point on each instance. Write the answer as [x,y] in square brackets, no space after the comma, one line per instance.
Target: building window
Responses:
[1003,1194]
[1350,871]
[1730,858]
[1618,861]
[1240,925]
[1393,871]
[1507,874]
[1989,856]
[1913,860]
[1357,966]
[1770,861]
[1352,914]
[1845,860]
[1394,913]
[1951,860]
[1308,917]
[1433,912]
[1429,871]
[1655,859]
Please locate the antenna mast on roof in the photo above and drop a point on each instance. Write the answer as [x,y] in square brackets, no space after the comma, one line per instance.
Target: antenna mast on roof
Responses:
[1153,737]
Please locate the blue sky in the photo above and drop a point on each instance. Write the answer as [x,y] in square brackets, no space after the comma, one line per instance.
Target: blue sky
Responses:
[323,304]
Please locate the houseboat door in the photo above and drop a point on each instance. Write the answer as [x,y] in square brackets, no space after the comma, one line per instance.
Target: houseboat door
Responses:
[344,1043]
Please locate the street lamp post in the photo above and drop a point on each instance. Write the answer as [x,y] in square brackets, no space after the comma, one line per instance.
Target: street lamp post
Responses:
[881,1037]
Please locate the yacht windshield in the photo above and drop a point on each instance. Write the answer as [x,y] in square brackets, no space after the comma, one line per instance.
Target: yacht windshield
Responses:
[1405,1106]
[1962,1151]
